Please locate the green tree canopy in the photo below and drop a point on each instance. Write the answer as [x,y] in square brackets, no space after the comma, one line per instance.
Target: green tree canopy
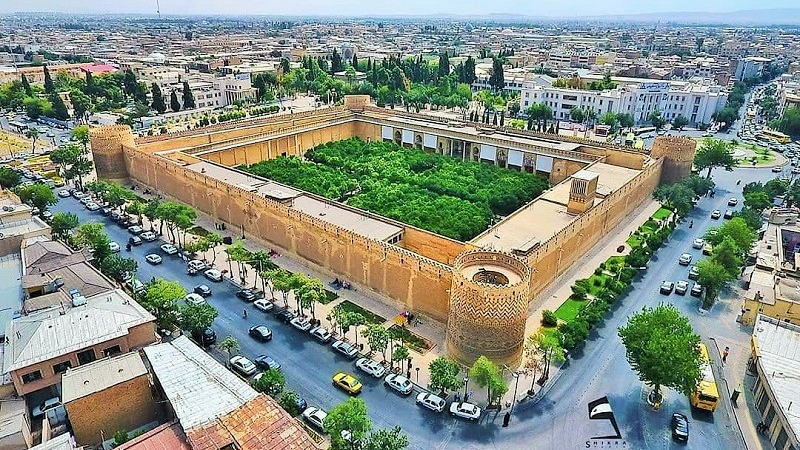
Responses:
[663,349]
[383,439]
[62,224]
[713,276]
[161,300]
[486,374]
[270,382]
[677,197]
[714,153]
[9,178]
[350,417]
[38,195]
[444,375]
[196,318]
[117,267]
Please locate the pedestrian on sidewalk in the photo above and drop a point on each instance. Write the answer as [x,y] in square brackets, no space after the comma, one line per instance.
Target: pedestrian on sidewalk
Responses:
[725,355]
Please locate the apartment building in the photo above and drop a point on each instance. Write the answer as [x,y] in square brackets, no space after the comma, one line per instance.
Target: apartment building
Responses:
[564,57]
[751,67]
[696,100]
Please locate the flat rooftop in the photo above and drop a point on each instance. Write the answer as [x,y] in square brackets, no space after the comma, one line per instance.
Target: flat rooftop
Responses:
[779,357]
[327,211]
[10,289]
[100,375]
[198,387]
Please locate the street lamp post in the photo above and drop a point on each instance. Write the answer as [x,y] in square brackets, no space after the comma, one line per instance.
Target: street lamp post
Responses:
[514,374]
[417,369]
[466,382]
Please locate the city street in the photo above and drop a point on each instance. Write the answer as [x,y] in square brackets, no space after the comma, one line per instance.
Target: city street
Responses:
[561,417]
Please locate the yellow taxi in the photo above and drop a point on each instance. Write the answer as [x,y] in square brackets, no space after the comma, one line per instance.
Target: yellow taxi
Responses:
[347,382]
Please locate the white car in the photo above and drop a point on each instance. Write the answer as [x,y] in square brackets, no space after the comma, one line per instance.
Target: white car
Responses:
[399,383]
[345,349]
[63,193]
[243,365]
[154,259]
[92,206]
[263,304]
[113,246]
[135,230]
[213,274]
[169,249]
[685,259]
[321,334]
[301,323]
[371,367]
[47,405]
[430,401]
[315,416]
[465,410]
[148,236]
[195,299]
[698,243]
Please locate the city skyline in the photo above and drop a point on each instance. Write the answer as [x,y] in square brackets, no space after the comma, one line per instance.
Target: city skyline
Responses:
[362,8]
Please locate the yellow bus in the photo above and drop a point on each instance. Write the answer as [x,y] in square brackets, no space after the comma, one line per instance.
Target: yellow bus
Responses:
[706,396]
[776,136]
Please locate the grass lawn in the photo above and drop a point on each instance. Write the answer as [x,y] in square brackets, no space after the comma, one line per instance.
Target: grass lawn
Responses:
[548,331]
[329,297]
[662,214]
[371,317]
[569,309]
[412,340]
[634,241]
[199,231]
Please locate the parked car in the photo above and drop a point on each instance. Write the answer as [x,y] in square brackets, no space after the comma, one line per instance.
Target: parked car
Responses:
[266,362]
[315,416]
[301,323]
[465,410]
[261,332]
[345,349]
[135,240]
[681,287]
[347,383]
[430,401]
[707,249]
[263,305]
[41,409]
[148,236]
[680,427]
[283,314]
[243,365]
[92,206]
[153,259]
[135,230]
[777,169]
[63,193]
[209,336]
[321,334]
[105,211]
[666,287]
[728,214]
[203,290]
[195,299]
[196,264]
[697,290]
[371,367]
[113,246]
[733,201]
[399,383]
[169,249]
[213,275]
[716,214]
[246,295]
[698,243]
[693,272]
[685,259]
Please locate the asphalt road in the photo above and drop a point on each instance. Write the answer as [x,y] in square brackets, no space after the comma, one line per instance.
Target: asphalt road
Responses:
[560,419]
[60,136]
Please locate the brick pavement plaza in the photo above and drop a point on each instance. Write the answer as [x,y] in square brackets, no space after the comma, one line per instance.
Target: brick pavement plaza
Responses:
[427,328]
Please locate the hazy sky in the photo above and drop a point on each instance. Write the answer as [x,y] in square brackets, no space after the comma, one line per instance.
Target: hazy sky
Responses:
[384,7]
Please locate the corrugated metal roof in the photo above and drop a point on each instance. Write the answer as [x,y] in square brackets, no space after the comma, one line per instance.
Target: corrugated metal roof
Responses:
[47,334]
[198,387]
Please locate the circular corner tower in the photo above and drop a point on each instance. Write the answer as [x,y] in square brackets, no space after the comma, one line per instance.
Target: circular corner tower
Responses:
[488,307]
[107,150]
[678,154]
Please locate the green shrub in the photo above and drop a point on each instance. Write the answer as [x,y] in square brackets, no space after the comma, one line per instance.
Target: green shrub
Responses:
[574,333]
[599,270]
[549,318]
[579,290]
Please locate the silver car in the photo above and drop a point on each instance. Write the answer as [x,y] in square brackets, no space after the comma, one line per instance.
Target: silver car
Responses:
[371,367]
[399,383]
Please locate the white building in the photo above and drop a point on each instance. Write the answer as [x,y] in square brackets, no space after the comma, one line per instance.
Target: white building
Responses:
[696,100]
[751,67]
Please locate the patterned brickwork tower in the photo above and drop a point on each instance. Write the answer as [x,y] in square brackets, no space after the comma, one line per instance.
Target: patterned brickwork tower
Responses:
[107,143]
[678,154]
[488,307]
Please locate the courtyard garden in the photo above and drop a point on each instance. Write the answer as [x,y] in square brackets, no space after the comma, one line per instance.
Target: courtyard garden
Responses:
[438,193]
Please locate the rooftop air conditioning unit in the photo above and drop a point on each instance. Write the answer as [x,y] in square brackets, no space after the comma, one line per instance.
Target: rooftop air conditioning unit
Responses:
[78,300]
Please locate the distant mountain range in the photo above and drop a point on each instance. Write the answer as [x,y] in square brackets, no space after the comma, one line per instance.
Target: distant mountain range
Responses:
[785,16]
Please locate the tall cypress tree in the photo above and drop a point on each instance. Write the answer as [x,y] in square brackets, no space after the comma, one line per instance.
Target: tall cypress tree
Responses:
[49,86]
[173,101]
[188,97]
[26,86]
[355,62]
[158,99]
[444,65]
[59,108]
[90,87]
